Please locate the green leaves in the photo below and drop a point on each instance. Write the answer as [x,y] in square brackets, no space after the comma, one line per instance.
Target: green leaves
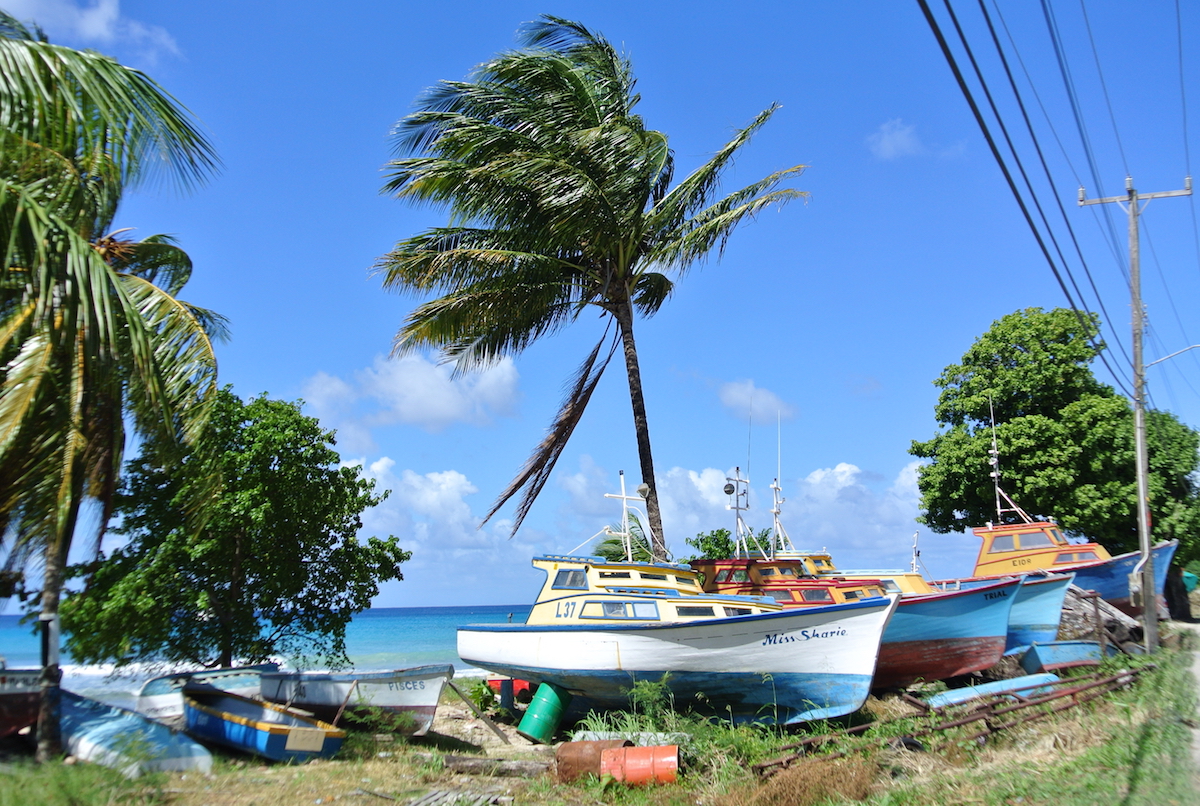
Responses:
[277,568]
[559,201]
[1065,439]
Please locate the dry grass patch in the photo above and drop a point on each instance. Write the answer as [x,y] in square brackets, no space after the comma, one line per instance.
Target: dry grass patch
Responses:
[810,783]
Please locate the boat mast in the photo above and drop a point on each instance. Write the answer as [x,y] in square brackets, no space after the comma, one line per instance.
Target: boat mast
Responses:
[994,461]
[738,489]
[780,540]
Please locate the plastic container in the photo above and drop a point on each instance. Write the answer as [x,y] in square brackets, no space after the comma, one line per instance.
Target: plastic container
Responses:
[641,765]
[577,759]
[544,713]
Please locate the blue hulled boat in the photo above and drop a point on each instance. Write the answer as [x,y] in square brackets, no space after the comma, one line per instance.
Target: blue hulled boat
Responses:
[260,728]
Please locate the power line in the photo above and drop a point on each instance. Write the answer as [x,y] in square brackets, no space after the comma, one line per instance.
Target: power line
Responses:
[983,126]
[1087,24]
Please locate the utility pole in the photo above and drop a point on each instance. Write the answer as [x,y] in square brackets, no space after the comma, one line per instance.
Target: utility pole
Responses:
[1132,203]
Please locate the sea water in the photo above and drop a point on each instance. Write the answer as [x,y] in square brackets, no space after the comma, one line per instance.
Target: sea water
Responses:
[377,639]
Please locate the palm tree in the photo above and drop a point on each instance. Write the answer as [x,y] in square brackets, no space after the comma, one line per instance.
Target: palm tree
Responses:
[91,334]
[561,201]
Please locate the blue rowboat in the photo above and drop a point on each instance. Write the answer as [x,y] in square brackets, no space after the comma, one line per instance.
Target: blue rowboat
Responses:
[125,740]
[945,634]
[784,667]
[1064,655]
[261,728]
[410,695]
[162,697]
[1023,686]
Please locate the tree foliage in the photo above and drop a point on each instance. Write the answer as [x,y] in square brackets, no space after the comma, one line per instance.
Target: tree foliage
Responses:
[1065,439]
[277,568]
[719,544]
[561,203]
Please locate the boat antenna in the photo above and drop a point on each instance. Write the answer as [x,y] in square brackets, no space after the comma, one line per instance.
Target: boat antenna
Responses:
[994,461]
[780,540]
[738,489]
[626,534]
[916,552]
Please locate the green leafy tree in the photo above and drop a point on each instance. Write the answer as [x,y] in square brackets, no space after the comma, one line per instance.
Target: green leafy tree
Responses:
[561,202]
[719,544]
[276,570]
[1065,439]
[92,336]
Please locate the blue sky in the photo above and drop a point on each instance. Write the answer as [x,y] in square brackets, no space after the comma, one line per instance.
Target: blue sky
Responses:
[832,316]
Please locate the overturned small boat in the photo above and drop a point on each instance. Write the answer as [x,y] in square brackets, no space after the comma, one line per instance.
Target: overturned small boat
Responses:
[125,740]
[20,699]
[404,698]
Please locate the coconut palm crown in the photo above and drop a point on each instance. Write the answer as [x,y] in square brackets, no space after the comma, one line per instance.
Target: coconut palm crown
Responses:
[560,201]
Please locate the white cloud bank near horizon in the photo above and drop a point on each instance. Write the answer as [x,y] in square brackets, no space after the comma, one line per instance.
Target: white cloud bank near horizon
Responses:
[864,519]
[93,23]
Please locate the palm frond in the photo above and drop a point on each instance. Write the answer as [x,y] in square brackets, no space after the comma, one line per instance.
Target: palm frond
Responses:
[536,473]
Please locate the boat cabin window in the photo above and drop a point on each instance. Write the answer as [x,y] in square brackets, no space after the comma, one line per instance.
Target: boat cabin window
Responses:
[817,595]
[685,581]
[780,596]
[629,610]
[767,572]
[820,562]
[787,572]
[851,595]
[693,611]
[723,576]
[1086,555]
[1036,540]
[571,579]
[890,586]
[614,575]
[1002,543]
[1064,558]
[738,611]
[740,575]
[660,577]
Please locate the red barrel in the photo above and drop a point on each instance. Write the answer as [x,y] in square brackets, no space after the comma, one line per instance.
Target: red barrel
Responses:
[641,765]
[577,759]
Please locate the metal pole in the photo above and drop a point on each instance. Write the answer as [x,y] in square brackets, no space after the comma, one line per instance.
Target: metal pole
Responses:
[1149,593]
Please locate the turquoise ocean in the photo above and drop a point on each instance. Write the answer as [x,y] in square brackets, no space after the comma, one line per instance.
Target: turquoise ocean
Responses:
[376,639]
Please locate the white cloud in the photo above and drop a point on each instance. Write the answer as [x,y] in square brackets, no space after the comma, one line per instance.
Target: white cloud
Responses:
[95,23]
[745,400]
[895,139]
[412,391]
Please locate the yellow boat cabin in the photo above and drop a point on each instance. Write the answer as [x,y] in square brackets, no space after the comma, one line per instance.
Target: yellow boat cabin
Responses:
[593,590]
[820,564]
[785,581]
[1018,548]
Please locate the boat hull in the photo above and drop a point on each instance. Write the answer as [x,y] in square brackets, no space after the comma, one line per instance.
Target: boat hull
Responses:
[940,635]
[410,695]
[125,740]
[262,729]
[1036,611]
[20,699]
[785,667]
[1110,578]
[162,697]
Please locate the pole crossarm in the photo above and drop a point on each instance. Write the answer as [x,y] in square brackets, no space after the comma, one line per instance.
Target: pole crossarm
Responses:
[1145,567]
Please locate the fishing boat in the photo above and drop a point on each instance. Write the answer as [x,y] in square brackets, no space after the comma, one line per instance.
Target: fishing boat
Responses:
[162,697]
[407,698]
[743,657]
[20,699]
[1033,545]
[125,740]
[934,635]
[260,728]
[1036,612]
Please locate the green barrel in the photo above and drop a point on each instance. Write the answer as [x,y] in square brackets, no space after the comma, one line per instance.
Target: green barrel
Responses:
[544,713]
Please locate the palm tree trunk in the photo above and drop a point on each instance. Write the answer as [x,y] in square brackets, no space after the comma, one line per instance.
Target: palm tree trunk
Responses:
[49,730]
[623,311]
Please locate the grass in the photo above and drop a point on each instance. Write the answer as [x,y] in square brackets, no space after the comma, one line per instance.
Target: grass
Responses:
[1127,748]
